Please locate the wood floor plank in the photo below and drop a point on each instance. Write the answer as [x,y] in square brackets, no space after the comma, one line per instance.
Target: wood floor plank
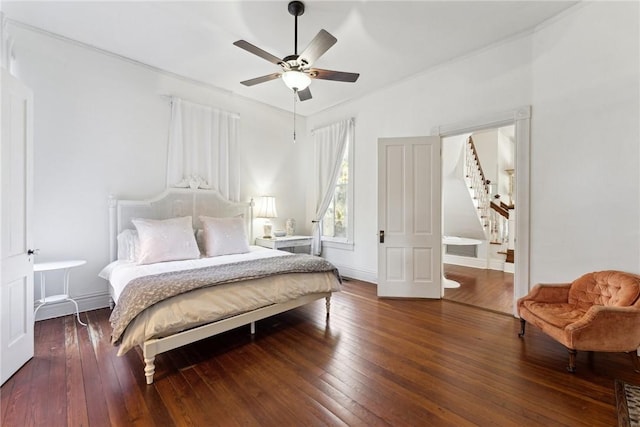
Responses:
[488,289]
[233,405]
[373,362]
[265,366]
[17,390]
[7,390]
[310,364]
[96,395]
[40,379]
[76,402]
[56,382]
[126,403]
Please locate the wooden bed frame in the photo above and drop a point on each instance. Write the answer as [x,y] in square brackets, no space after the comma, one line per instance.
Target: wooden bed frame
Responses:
[176,202]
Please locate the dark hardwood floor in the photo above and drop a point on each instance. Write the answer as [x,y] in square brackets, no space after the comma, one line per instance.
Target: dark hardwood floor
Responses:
[374,362]
[488,289]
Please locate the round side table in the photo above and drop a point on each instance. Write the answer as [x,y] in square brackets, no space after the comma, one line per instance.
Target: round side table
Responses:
[44,267]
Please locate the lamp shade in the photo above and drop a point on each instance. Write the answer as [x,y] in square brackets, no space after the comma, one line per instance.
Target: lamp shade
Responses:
[296,80]
[266,207]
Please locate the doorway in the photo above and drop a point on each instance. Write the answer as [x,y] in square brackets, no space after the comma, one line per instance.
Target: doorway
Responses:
[479,272]
[478,195]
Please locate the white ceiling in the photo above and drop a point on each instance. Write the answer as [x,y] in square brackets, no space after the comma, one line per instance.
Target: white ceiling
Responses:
[384,41]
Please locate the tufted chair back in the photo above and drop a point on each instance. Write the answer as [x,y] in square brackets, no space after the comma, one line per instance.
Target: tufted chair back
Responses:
[607,288]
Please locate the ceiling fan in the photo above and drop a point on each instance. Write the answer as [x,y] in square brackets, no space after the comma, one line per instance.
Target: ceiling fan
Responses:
[296,69]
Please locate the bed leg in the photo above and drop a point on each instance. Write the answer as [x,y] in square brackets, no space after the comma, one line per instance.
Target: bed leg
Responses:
[149,369]
[328,304]
[253,328]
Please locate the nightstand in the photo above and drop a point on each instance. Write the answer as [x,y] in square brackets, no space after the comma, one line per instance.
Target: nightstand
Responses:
[295,244]
[42,268]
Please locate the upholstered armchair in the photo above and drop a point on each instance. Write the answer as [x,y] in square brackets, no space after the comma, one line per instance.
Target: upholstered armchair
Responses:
[599,311]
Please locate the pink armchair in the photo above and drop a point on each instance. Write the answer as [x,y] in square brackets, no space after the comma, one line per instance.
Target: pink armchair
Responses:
[599,311]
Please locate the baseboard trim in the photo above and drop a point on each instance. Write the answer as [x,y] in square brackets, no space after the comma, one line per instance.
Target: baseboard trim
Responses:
[465,261]
[495,264]
[354,273]
[64,308]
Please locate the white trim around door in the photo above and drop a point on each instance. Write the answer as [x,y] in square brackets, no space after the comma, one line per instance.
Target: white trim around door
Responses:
[521,118]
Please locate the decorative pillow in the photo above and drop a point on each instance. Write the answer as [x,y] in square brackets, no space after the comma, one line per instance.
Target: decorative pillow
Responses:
[166,240]
[128,245]
[224,236]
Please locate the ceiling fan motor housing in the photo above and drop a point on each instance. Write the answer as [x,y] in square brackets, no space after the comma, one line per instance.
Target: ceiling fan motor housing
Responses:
[296,8]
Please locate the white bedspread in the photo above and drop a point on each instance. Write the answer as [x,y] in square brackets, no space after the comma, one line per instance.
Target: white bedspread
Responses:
[119,273]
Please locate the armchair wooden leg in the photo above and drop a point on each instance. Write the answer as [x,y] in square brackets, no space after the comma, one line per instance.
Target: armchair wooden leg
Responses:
[522,324]
[572,360]
[635,360]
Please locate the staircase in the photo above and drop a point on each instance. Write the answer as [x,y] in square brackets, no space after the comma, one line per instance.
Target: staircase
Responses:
[477,182]
[467,203]
[466,195]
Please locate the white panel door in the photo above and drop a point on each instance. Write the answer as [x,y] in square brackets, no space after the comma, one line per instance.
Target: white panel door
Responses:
[409,217]
[16,296]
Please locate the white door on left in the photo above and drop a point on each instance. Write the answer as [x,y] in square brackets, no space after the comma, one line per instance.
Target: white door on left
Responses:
[16,296]
[409,217]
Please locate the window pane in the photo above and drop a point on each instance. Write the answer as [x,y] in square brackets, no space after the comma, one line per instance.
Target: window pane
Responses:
[328,221]
[334,223]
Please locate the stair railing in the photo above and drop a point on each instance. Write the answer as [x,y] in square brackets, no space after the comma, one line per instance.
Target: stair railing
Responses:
[498,223]
[477,183]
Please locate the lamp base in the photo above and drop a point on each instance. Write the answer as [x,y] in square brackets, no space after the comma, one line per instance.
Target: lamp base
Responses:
[267,230]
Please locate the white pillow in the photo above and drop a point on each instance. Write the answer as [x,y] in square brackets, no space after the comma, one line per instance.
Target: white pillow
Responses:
[128,245]
[166,240]
[224,236]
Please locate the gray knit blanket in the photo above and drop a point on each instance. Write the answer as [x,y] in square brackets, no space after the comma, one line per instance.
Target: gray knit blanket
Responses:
[143,292]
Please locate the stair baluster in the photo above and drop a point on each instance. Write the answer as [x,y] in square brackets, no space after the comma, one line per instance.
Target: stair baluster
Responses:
[477,182]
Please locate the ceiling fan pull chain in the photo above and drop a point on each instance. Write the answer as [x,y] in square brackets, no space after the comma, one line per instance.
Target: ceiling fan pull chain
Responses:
[295,92]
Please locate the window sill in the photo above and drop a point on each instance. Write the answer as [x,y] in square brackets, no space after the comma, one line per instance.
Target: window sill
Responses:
[338,244]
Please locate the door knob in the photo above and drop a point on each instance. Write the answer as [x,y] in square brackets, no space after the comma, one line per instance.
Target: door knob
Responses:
[381,236]
[33,251]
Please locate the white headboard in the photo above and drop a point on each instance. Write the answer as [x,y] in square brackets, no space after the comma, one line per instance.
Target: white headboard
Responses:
[174,202]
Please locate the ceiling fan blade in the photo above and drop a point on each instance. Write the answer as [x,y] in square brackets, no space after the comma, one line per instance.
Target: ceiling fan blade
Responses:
[339,76]
[304,94]
[257,51]
[257,80]
[318,46]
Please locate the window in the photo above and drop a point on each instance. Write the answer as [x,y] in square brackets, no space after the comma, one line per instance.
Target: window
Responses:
[337,224]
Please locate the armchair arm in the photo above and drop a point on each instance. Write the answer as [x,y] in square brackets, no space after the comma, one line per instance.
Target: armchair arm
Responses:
[606,328]
[547,292]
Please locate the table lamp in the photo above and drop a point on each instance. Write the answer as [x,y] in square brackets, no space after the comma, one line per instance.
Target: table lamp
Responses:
[266,208]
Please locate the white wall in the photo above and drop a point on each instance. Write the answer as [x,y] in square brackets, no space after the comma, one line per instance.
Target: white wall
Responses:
[580,74]
[101,128]
[585,145]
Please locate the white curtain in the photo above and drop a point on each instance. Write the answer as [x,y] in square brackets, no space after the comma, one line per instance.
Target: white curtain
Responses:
[330,143]
[203,148]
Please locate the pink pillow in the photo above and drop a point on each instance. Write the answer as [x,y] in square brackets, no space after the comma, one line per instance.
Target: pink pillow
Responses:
[166,240]
[224,236]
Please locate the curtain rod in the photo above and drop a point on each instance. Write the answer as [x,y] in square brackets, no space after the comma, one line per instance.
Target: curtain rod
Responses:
[350,119]
[171,97]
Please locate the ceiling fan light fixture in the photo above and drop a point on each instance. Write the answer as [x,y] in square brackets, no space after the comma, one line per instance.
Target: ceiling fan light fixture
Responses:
[296,80]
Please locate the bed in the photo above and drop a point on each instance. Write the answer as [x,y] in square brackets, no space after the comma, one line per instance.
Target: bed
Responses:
[165,294]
